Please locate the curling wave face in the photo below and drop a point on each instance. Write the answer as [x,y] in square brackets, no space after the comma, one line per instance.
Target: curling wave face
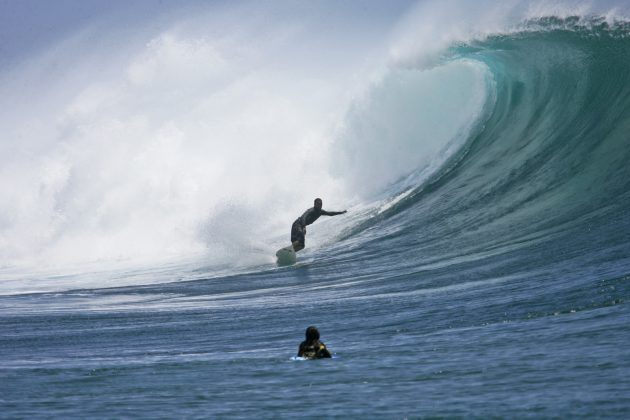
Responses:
[546,168]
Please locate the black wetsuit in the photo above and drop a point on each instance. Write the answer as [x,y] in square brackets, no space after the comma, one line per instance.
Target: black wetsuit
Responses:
[314,350]
[298,229]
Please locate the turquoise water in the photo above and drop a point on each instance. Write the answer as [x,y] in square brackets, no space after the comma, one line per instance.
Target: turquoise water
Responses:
[498,286]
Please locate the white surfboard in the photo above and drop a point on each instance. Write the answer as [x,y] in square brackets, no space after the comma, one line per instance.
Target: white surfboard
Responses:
[286,256]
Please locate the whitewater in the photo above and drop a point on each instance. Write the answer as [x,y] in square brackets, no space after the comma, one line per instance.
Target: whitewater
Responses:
[149,172]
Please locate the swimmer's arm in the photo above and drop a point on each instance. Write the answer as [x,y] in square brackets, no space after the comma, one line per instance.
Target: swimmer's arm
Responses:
[324,352]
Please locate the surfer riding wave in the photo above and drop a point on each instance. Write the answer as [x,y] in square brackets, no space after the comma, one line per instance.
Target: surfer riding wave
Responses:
[298,229]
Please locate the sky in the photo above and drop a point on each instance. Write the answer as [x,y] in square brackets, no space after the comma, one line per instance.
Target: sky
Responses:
[27,26]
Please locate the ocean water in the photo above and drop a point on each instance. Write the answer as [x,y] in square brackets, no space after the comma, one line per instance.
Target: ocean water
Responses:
[481,272]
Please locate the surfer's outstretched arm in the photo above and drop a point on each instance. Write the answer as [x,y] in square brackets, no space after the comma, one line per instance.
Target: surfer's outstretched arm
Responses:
[333,213]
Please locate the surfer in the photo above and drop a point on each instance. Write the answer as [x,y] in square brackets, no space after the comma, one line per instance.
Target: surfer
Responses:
[312,348]
[298,229]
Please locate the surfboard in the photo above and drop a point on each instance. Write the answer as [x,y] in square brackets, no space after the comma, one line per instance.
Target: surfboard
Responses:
[286,256]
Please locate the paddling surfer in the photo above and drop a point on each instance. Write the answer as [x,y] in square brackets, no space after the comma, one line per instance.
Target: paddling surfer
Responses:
[312,348]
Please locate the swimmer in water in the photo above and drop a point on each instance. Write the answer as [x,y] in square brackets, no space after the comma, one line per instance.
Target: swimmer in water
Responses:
[312,348]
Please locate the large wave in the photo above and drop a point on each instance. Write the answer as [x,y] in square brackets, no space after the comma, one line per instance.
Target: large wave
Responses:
[188,142]
[545,172]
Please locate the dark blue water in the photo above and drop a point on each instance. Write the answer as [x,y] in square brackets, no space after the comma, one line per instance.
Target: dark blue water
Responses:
[498,287]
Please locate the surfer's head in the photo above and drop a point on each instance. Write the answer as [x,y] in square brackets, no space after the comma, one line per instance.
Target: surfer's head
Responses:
[318,203]
[312,334]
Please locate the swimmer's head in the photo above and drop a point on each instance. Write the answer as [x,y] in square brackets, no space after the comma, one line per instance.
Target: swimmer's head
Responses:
[312,334]
[318,203]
